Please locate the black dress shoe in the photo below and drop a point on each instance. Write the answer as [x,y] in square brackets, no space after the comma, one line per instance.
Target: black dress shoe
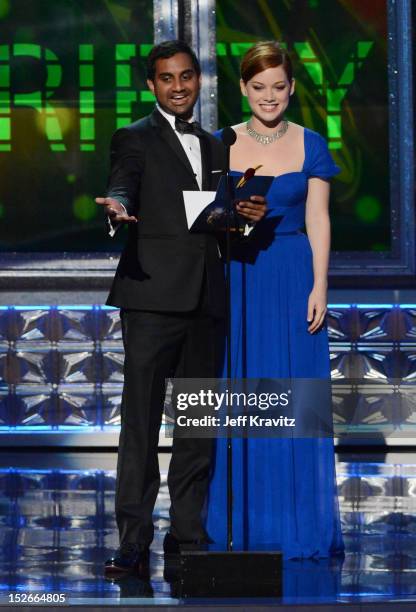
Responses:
[170,544]
[127,558]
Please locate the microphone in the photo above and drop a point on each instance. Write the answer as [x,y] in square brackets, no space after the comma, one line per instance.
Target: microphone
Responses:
[228,136]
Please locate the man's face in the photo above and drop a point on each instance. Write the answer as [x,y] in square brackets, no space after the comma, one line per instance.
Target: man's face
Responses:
[176,85]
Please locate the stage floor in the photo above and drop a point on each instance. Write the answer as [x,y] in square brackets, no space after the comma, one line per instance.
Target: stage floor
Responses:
[57,527]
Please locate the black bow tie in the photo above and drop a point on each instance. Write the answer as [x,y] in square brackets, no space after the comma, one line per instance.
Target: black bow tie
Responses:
[184,127]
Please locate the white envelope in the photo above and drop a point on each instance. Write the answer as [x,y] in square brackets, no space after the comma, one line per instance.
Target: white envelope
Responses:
[195,202]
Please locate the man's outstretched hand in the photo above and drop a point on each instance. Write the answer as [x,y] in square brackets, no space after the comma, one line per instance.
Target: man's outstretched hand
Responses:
[115,210]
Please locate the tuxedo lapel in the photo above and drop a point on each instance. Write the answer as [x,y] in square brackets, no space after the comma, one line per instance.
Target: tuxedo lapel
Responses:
[168,134]
[206,161]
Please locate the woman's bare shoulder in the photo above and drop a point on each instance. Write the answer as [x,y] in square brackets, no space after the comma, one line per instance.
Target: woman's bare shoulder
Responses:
[295,127]
[240,128]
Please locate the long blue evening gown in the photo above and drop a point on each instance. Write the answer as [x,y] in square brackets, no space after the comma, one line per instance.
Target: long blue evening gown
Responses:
[284,489]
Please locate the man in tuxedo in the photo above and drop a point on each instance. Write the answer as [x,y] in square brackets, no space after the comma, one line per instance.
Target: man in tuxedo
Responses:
[169,286]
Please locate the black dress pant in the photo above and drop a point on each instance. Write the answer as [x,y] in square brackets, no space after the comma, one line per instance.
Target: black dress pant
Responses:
[158,346]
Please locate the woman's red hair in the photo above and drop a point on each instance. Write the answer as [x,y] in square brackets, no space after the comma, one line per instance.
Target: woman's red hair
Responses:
[264,55]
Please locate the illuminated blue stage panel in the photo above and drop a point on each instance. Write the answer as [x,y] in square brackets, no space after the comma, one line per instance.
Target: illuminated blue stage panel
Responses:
[58,526]
[61,367]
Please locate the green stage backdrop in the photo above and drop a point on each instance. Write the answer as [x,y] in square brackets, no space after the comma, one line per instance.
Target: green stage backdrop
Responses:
[72,71]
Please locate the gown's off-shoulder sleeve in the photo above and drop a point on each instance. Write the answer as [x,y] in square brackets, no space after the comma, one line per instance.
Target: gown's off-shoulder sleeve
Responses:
[318,160]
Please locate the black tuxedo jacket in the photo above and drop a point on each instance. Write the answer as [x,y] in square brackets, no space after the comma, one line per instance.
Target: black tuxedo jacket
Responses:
[162,266]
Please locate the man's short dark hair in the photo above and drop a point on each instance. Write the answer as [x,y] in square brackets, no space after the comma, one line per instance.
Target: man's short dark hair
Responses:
[167,49]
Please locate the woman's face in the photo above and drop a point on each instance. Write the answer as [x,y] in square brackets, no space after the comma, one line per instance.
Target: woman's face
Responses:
[268,93]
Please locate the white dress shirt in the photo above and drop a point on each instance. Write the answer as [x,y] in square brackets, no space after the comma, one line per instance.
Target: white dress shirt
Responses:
[190,144]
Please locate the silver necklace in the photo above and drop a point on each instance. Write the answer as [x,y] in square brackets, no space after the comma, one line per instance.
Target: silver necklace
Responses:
[266,139]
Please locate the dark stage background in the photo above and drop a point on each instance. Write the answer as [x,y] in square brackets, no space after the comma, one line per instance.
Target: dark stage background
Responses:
[71,73]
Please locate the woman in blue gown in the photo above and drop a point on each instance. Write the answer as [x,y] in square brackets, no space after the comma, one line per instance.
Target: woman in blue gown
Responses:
[284,489]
